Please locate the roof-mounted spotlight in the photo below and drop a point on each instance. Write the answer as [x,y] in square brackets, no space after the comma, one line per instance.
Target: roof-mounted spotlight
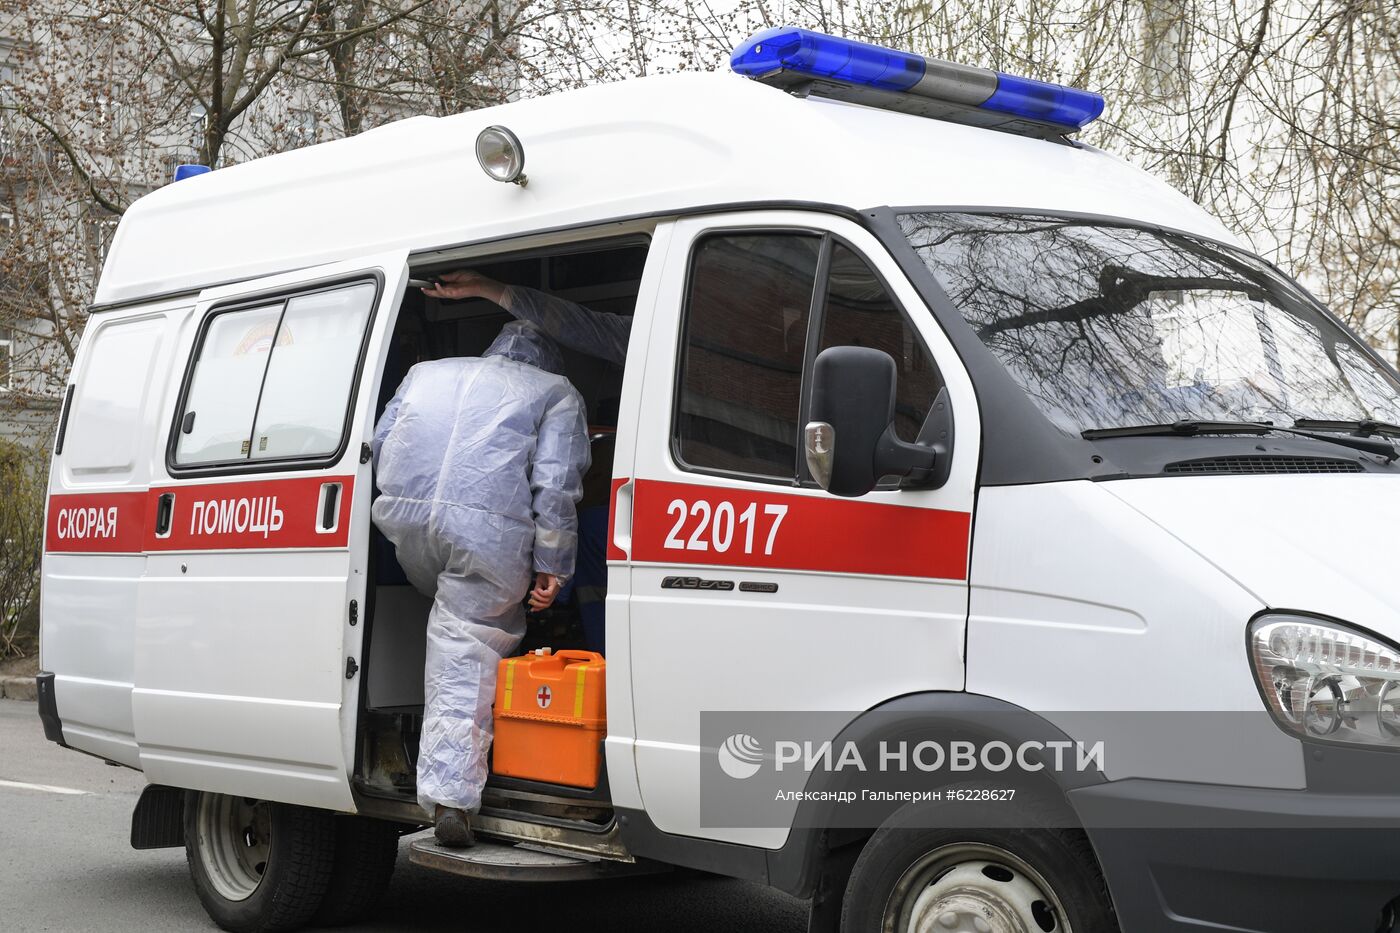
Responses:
[501,155]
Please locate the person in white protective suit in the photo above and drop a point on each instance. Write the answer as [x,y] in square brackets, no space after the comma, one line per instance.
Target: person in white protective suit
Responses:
[587,331]
[479,462]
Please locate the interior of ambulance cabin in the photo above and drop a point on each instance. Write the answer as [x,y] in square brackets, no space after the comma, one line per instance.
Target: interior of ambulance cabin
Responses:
[603,276]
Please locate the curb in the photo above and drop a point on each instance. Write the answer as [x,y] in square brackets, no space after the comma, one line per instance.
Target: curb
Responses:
[19,688]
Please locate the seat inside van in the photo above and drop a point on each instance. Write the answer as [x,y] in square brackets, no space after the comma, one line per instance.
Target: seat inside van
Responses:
[604,277]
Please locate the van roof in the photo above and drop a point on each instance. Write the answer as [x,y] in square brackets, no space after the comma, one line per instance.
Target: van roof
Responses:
[646,146]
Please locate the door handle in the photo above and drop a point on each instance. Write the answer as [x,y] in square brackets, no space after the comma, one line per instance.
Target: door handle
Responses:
[622,519]
[165,511]
[330,508]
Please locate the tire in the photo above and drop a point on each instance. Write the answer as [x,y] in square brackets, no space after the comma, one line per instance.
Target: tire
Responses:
[365,852]
[982,880]
[258,867]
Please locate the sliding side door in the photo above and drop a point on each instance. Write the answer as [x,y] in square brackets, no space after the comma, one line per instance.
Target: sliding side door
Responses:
[247,646]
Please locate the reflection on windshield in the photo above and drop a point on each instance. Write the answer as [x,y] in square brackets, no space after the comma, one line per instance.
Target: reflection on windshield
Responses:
[1111,326]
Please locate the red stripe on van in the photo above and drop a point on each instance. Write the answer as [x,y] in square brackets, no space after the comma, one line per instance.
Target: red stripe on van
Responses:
[254,514]
[96,523]
[679,523]
[274,513]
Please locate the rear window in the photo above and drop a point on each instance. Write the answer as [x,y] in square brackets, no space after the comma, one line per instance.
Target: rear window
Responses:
[104,427]
[273,381]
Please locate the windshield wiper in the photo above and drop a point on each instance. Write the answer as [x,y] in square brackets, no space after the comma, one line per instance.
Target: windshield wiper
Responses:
[1365,427]
[1197,428]
[1185,428]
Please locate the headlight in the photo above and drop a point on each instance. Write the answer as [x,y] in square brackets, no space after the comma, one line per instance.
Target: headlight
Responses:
[1323,680]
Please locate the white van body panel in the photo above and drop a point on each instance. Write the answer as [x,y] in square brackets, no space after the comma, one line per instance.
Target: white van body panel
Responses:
[639,147]
[1313,543]
[92,559]
[793,650]
[214,708]
[89,610]
[1081,603]
[619,745]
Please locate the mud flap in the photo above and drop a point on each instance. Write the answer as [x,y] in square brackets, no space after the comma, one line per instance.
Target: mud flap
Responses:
[158,822]
[48,708]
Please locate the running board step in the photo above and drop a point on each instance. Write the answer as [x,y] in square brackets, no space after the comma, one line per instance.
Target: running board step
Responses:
[506,861]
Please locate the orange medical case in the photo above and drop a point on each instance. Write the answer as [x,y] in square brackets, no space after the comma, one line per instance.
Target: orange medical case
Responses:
[551,717]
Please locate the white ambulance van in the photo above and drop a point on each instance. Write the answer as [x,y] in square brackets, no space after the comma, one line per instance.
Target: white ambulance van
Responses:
[933,421]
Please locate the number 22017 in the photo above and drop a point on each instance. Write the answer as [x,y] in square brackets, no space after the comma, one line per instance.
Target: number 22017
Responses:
[719,525]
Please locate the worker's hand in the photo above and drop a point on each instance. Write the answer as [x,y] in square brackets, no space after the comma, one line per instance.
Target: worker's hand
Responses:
[546,588]
[462,284]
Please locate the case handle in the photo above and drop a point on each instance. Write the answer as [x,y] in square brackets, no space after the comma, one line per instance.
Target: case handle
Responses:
[578,654]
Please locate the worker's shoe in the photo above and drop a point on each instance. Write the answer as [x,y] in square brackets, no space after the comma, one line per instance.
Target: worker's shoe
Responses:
[452,828]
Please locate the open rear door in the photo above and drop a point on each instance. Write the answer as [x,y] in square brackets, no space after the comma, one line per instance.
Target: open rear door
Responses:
[247,646]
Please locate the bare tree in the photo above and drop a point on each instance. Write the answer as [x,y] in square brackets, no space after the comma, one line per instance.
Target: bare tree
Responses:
[99,102]
[442,57]
[1282,117]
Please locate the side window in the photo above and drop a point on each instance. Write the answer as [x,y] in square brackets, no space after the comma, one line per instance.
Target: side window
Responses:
[223,395]
[302,412]
[102,439]
[747,311]
[859,312]
[273,381]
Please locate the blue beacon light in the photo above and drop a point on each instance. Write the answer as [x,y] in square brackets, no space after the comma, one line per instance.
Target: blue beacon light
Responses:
[1039,100]
[784,53]
[189,171]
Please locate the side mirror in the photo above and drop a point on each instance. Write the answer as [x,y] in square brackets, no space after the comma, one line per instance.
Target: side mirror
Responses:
[850,443]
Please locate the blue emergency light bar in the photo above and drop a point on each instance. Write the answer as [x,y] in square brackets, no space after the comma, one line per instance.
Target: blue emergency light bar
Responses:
[813,62]
[189,171]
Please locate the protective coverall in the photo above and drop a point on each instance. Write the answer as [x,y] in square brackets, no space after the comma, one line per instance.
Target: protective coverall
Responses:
[573,325]
[604,336]
[480,463]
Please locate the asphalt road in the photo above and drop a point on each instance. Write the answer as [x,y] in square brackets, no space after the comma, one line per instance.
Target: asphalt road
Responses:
[65,864]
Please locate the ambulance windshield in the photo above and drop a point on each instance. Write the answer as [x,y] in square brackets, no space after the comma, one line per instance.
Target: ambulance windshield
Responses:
[1109,325]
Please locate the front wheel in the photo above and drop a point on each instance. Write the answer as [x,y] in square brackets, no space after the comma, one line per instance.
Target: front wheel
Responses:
[258,867]
[977,881]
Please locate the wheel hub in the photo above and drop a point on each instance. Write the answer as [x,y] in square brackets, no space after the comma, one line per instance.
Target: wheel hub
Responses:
[235,839]
[978,888]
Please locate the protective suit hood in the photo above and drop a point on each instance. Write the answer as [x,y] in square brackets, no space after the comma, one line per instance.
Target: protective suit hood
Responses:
[526,343]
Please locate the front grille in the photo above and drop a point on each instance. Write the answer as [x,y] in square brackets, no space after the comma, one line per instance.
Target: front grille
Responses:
[1265,464]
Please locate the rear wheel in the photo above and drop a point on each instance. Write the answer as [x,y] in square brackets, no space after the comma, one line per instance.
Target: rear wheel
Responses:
[365,852]
[977,881]
[258,867]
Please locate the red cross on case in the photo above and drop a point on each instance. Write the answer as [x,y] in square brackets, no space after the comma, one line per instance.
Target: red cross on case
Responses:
[544,696]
